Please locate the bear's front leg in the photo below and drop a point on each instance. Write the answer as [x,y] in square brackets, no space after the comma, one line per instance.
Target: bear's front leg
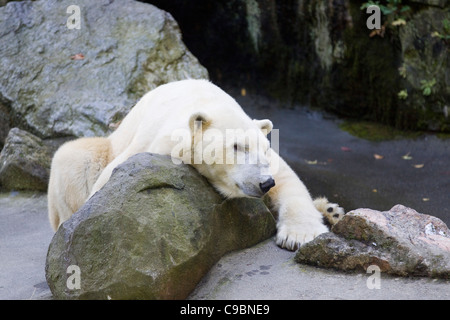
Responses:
[298,219]
[107,172]
[298,223]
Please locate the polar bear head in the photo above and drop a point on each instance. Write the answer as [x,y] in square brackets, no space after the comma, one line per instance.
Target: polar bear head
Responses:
[232,152]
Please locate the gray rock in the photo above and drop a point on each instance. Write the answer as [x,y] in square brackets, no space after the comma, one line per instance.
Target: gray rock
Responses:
[25,162]
[4,124]
[400,241]
[151,232]
[59,81]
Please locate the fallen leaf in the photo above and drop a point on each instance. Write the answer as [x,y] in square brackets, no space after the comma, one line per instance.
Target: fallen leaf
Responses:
[243,92]
[435,34]
[346,149]
[418,166]
[425,199]
[406,157]
[378,32]
[374,33]
[311,162]
[374,190]
[378,157]
[78,56]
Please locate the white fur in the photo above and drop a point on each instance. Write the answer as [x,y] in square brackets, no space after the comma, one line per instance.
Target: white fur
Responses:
[75,168]
[197,108]
[331,212]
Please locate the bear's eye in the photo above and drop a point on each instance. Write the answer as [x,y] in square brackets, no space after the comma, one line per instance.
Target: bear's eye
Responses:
[336,215]
[330,209]
[236,147]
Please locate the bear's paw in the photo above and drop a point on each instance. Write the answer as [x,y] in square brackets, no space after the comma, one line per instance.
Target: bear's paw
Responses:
[292,236]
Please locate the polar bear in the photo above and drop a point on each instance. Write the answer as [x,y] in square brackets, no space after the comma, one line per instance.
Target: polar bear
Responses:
[188,120]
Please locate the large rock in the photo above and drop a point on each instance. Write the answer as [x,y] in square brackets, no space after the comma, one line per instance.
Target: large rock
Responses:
[61,81]
[151,232]
[25,161]
[400,241]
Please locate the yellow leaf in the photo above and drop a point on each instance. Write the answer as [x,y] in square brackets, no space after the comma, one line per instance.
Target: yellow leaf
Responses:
[374,190]
[435,34]
[243,92]
[311,162]
[378,157]
[425,199]
[418,166]
[407,157]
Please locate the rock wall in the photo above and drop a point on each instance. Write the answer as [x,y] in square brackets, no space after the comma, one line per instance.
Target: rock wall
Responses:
[322,54]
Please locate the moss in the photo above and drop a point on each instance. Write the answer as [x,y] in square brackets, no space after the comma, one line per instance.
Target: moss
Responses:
[376,132]
[443,135]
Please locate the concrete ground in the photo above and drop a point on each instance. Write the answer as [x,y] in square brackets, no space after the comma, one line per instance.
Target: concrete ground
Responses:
[25,235]
[330,162]
[268,272]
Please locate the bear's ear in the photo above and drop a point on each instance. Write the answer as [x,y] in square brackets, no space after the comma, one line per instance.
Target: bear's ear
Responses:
[265,125]
[199,121]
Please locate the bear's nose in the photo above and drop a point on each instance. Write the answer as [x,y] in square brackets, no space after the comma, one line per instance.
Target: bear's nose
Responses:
[265,186]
